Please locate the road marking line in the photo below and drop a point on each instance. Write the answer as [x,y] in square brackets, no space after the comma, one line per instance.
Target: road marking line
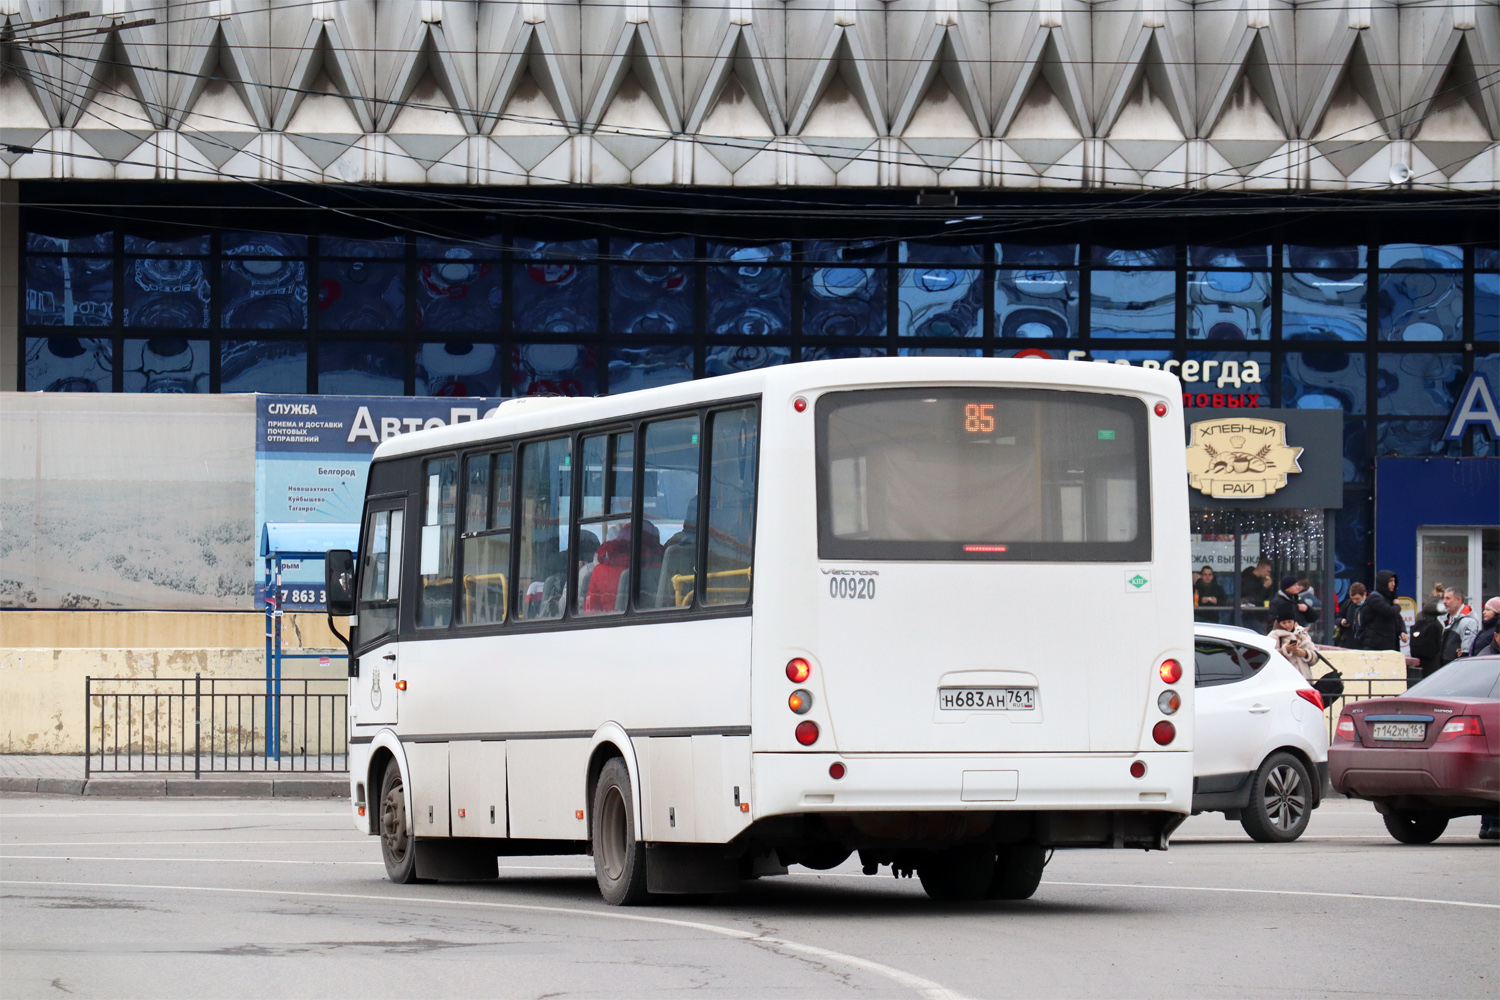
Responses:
[1279,892]
[922,987]
[174,843]
[223,861]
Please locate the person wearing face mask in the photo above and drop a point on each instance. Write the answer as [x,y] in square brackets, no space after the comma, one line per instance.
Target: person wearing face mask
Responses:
[1487,642]
[1381,616]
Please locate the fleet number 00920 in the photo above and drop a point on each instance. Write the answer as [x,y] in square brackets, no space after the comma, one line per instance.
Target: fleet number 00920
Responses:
[857,588]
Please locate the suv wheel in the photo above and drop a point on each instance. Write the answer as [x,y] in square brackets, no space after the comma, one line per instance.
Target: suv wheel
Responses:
[1281,799]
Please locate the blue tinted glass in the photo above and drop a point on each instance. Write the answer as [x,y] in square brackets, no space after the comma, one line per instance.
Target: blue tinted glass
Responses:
[1414,439]
[360,369]
[1323,380]
[340,246]
[265,244]
[361,295]
[1486,259]
[939,253]
[830,353]
[70,291]
[263,366]
[1354,535]
[1420,255]
[1306,258]
[164,364]
[1136,357]
[96,243]
[1133,256]
[843,302]
[164,292]
[1356,470]
[478,246]
[1421,307]
[533,248]
[458,295]
[553,370]
[727,360]
[1229,305]
[1033,352]
[197,244]
[1418,385]
[1034,302]
[633,368]
[556,297]
[1025,256]
[846,251]
[458,369]
[751,299]
[1133,304]
[1256,256]
[940,301]
[1210,377]
[69,364]
[940,352]
[1327,306]
[750,254]
[264,295]
[1486,305]
[652,288]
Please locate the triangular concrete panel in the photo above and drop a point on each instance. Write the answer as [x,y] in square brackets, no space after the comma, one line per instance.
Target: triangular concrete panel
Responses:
[323,147]
[426,149]
[27,137]
[219,147]
[837,151]
[1451,156]
[1244,155]
[631,150]
[113,143]
[1348,155]
[1042,153]
[734,153]
[1144,154]
[939,154]
[529,150]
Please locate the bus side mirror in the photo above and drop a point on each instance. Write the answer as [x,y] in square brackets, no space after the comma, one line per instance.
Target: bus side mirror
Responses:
[338,580]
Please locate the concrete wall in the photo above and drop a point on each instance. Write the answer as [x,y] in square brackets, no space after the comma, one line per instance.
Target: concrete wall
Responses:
[10,284]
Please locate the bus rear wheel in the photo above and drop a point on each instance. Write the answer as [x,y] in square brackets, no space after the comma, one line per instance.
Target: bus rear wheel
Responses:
[959,873]
[619,859]
[1018,872]
[398,845]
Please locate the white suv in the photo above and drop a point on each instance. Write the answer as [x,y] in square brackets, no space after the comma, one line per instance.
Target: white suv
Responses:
[1261,741]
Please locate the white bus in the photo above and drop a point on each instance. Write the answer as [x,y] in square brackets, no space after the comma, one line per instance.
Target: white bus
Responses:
[934,611]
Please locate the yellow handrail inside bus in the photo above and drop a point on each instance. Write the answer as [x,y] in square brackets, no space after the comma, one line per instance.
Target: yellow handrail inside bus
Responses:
[682,587]
[470,579]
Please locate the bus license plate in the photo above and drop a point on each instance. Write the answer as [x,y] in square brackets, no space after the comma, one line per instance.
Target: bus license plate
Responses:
[1400,730]
[987,699]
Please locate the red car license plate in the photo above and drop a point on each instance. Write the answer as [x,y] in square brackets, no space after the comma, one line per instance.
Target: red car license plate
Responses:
[1415,731]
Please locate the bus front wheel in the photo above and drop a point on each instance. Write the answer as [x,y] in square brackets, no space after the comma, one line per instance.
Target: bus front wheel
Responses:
[619,859]
[398,845]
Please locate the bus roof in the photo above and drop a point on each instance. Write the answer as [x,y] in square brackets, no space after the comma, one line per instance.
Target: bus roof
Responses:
[529,415]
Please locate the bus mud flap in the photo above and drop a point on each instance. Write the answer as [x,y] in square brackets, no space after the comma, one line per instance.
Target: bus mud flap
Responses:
[686,869]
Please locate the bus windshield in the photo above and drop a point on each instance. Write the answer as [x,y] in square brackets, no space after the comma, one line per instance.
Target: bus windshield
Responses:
[999,474]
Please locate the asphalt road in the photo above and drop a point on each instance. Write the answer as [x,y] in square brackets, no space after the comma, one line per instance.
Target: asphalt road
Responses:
[278,898]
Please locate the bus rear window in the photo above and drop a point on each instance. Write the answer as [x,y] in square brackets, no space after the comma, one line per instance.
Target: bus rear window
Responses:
[987,474]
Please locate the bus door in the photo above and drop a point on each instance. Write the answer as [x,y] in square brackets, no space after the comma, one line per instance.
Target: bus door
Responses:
[372,698]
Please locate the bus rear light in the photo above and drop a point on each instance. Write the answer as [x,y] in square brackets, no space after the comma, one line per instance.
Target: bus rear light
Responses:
[361,810]
[800,701]
[1311,697]
[400,685]
[836,770]
[798,670]
[807,733]
[1171,671]
[1161,409]
[1163,732]
[985,548]
[1464,725]
[799,404]
[1169,702]
[1345,730]
[1138,769]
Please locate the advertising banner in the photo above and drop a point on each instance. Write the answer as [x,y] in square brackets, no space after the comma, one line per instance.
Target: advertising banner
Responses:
[312,454]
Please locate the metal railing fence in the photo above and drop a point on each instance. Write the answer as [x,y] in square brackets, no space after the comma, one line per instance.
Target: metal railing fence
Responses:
[215,725]
[1359,690]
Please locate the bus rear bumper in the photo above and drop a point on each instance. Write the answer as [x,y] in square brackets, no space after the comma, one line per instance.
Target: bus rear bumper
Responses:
[793,783]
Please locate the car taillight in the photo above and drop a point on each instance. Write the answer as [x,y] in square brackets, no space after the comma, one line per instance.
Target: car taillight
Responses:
[1171,671]
[807,733]
[798,670]
[1345,730]
[1163,732]
[1311,697]
[1463,725]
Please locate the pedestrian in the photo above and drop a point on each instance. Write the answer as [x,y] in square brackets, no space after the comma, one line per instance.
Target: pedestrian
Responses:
[1346,633]
[1426,644]
[1487,642]
[1286,606]
[1438,589]
[1255,585]
[1460,626]
[1208,595]
[1293,642]
[1381,615]
[1313,616]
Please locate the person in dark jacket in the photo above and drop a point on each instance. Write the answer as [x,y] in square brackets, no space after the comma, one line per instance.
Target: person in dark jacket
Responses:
[1426,643]
[1381,615]
[1209,596]
[1350,622]
[1255,585]
[1285,606]
[1487,642]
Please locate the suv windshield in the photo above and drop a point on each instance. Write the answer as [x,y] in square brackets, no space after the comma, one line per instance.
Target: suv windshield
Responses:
[1463,678]
[953,473]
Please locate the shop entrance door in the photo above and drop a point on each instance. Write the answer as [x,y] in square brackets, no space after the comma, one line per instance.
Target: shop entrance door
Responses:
[1465,558]
[1234,543]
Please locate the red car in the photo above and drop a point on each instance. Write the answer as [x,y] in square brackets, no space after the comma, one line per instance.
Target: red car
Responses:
[1427,756]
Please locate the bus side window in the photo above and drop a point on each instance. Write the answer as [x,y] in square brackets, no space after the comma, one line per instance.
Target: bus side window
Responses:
[604,525]
[546,484]
[483,597]
[731,505]
[380,574]
[439,524]
[668,526]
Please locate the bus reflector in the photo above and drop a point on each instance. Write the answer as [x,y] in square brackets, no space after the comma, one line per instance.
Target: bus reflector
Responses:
[1161,409]
[1138,769]
[1163,732]
[807,733]
[800,701]
[798,670]
[799,404]
[984,548]
[1171,671]
[836,770]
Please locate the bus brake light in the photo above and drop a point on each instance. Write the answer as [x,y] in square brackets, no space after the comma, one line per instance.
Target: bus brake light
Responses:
[798,670]
[1171,671]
